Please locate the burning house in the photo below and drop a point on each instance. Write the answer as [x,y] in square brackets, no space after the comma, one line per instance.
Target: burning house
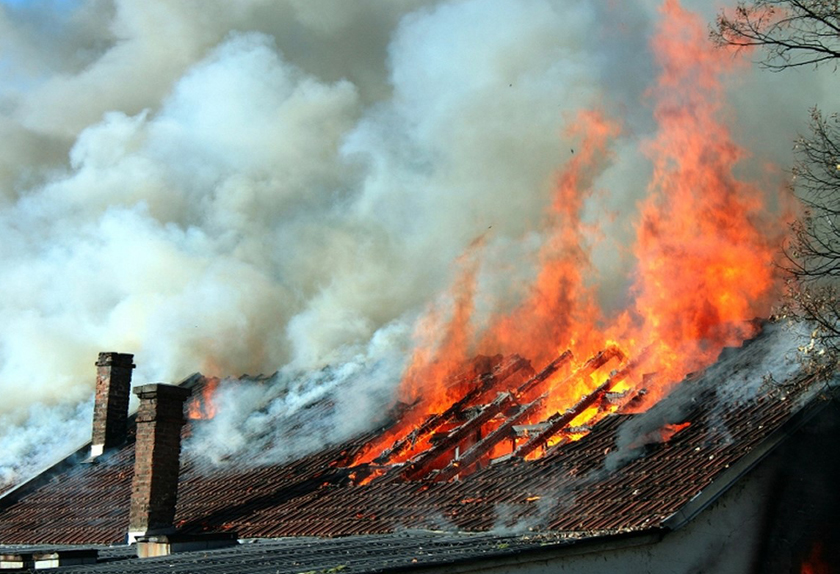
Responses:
[728,473]
[540,422]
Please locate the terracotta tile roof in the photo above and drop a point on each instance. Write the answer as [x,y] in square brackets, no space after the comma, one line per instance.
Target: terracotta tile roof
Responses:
[591,486]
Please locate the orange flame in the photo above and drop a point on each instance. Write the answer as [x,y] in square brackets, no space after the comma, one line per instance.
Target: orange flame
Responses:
[201,406]
[705,251]
[668,431]
[704,255]
[431,371]
[561,309]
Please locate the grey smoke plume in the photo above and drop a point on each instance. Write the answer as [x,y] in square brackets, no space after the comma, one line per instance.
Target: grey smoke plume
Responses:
[510,519]
[228,205]
[259,185]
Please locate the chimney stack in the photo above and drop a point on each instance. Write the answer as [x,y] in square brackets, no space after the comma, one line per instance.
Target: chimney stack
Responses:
[110,411]
[154,487]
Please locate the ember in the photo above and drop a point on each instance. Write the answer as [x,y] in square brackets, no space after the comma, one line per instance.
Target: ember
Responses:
[668,431]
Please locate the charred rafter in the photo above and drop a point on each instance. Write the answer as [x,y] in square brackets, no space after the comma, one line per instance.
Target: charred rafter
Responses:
[487,382]
[559,421]
[421,466]
[439,462]
[538,379]
[481,448]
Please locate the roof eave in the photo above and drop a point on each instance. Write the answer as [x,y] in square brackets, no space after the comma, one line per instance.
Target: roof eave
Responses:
[548,552]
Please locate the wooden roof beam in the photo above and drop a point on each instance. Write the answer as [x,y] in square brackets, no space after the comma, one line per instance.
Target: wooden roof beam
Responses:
[418,468]
[488,381]
[560,420]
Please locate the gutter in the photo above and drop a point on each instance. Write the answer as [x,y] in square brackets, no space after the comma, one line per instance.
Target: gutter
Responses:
[530,554]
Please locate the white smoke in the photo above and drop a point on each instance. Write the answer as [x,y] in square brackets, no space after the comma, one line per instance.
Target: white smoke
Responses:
[46,435]
[259,185]
[293,413]
[511,519]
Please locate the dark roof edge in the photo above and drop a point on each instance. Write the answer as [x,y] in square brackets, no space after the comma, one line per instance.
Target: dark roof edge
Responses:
[76,456]
[746,463]
[529,554]
[191,381]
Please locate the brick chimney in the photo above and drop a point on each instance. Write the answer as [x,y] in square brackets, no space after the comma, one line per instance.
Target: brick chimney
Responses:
[157,452]
[110,411]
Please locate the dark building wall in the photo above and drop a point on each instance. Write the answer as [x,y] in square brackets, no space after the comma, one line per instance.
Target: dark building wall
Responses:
[803,518]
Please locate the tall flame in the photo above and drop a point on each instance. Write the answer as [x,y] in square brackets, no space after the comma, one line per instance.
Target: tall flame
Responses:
[431,368]
[704,248]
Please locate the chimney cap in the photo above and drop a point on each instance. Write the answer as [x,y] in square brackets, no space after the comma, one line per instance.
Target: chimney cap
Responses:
[111,358]
[156,390]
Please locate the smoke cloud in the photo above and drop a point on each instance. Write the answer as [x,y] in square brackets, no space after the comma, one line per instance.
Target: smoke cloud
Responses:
[261,185]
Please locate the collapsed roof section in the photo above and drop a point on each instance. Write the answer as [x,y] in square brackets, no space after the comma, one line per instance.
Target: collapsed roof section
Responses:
[477,430]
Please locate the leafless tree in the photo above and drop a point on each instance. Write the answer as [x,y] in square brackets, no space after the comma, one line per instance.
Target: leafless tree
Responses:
[795,33]
[813,252]
[792,33]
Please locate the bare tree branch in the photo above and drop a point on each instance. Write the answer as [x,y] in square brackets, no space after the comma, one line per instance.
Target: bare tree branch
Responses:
[794,33]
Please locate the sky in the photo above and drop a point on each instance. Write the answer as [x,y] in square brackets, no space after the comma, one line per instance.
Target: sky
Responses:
[242,187]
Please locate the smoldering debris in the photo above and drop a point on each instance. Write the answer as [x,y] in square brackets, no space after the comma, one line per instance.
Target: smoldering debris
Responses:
[514,519]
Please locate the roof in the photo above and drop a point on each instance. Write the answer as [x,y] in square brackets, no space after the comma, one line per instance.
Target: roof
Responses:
[630,473]
[400,551]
